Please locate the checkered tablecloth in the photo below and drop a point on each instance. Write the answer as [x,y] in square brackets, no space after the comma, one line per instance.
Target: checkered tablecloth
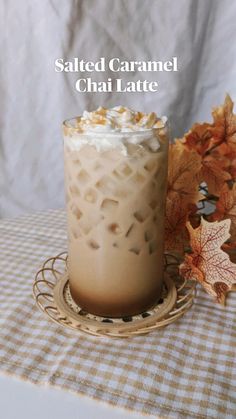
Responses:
[187,370]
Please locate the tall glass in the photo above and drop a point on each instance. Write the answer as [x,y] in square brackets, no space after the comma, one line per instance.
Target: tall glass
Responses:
[115,208]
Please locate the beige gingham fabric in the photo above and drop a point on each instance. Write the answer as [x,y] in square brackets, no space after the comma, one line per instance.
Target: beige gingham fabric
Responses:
[187,370]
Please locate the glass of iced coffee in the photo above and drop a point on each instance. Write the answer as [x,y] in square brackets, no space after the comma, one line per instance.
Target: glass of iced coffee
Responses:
[115,176]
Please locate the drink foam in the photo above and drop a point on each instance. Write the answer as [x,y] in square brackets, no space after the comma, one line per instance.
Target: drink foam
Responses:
[107,129]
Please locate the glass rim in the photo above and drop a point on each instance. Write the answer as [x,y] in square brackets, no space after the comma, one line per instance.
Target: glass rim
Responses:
[67,123]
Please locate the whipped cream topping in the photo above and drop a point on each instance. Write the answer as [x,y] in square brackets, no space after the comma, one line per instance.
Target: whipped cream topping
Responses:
[119,119]
[107,129]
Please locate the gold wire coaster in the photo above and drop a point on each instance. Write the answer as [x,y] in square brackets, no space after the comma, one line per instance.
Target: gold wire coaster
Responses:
[52,294]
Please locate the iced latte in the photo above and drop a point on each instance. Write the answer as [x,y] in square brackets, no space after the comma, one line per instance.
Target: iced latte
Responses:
[116,173]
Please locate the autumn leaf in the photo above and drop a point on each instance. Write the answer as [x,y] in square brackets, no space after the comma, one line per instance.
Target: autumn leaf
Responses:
[216,144]
[226,208]
[226,157]
[223,129]
[177,212]
[184,166]
[208,263]
[222,155]
[216,167]
[213,174]
[198,138]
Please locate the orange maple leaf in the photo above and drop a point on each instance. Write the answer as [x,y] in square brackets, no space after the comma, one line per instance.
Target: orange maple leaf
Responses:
[177,212]
[213,174]
[223,155]
[226,208]
[223,129]
[216,144]
[183,168]
[198,138]
[208,263]
[226,157]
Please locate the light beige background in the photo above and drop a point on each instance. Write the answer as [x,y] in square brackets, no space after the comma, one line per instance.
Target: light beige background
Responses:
[34,99]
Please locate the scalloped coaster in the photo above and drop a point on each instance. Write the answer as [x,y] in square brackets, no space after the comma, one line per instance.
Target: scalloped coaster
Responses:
[52,294]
